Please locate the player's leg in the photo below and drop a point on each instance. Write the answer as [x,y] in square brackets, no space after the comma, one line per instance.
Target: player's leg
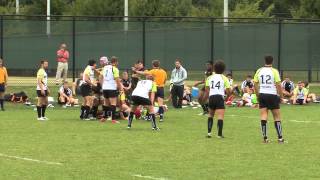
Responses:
[45,105]
[62,100]
[95,106]
[2,99]
[180,90]
[160,97]
[210,121]
[203,102]
[277,124]
[152,117]
[220,115]
[131,114]
[39,105]
[113,108]
[264,118]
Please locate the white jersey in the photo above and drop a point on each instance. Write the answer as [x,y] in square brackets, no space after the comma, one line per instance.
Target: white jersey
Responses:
[42,74]
[90,72]
[267,77]
[110,73]
[217,84]
[144,87]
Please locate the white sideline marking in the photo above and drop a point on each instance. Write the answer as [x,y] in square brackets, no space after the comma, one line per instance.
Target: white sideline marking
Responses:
[28,159]
[148,177]
[297,121]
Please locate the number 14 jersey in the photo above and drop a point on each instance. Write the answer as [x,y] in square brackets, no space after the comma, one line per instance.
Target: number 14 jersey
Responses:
[217,84]
[267,77]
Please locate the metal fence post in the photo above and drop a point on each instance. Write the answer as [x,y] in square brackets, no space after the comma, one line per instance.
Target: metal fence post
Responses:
[279,46]
[144,41]
[309,56]
[212,40]
[1,37]
[73,49]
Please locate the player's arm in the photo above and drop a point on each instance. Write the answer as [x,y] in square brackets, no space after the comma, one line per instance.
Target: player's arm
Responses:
[256,84]
[207,89]
[198,83]
[87,79]
[227,86]
[117,79]
[153,92]
[6,77]
[129,87]
[277,80]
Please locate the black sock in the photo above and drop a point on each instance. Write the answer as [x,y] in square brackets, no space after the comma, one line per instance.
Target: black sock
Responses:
[130,119]
[105,111]
[39,111]
[161,112]
[94,111]
[220,127]
[44,107]
[86,112]
[153,120]
[210,123]
[1,103]
[264,129]
[113,112]
[278,127]
[82,112]
[206,107]
[203,107]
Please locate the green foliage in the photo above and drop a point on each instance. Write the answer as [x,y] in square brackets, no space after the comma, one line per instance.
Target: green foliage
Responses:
[196,8]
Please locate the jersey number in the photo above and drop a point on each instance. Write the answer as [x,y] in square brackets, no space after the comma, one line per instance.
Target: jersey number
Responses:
[217,85]
[266,80]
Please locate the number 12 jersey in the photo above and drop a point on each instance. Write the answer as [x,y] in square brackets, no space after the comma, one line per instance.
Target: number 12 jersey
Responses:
[267,77]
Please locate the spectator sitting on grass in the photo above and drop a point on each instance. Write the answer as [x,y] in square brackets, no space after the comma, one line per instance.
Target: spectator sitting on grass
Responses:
[300,94]
[65,95]
[311,97]
[247,83]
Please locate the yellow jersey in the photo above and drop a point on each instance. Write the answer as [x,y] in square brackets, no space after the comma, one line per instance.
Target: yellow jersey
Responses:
[3,75]
[159,75]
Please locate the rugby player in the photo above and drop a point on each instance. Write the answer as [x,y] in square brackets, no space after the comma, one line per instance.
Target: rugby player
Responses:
[216,86]
[110,82]
[268,90]
[208,72]
[144,95]
[42,90]
[3,83]
[160,77]
[88,82]
[300,94]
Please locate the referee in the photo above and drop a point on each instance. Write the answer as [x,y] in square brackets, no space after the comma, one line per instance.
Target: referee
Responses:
[3,83]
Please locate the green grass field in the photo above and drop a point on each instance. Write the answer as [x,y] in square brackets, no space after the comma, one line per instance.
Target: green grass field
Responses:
[91,150]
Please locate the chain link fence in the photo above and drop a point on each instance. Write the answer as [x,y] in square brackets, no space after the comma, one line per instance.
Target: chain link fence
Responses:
[241,43]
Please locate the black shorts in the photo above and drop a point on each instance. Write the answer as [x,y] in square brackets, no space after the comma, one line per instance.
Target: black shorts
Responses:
[299,101]
[2,88]
[110,93]
[269,101]
[160,92]
[137,100]
[41,95]
[216,102]
[97,89]
[86,90]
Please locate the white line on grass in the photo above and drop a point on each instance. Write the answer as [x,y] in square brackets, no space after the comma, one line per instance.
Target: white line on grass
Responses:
[297,121]
[148,177]
[28,159]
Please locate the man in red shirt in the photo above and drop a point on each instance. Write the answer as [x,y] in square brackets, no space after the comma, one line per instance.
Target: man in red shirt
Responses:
[62,59]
